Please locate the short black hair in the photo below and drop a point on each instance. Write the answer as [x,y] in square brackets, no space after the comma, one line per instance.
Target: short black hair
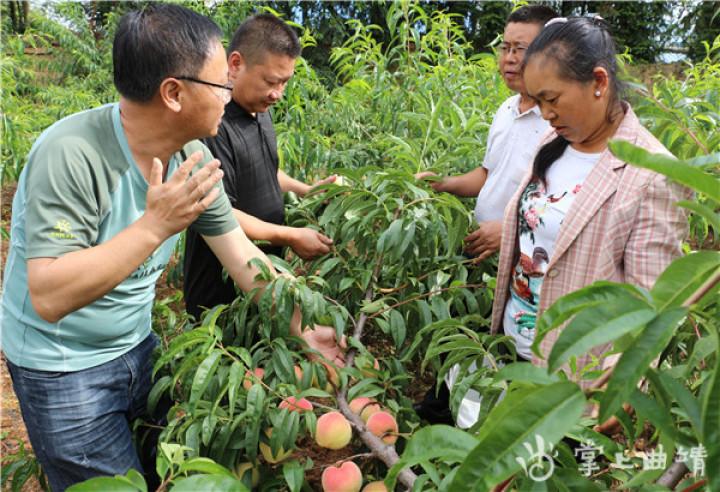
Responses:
[532,14]
[261,34]
[157,42]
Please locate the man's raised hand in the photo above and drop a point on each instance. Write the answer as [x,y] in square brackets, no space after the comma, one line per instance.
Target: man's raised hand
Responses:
[175,204]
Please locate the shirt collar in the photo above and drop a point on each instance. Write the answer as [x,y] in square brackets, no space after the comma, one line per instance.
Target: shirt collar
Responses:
[235,111]
[515,106]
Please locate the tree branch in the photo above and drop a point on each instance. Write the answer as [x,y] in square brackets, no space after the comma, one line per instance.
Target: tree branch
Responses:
[672,476]
[384,452]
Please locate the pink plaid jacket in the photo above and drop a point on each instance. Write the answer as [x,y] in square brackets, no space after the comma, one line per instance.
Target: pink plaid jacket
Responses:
[623,226]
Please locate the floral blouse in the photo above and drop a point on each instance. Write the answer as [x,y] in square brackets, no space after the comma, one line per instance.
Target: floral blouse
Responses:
[543,207]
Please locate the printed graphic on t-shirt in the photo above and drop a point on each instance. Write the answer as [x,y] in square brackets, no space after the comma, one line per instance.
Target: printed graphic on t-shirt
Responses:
[539,218]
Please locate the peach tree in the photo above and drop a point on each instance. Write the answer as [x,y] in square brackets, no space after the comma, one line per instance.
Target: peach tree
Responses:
[395,268]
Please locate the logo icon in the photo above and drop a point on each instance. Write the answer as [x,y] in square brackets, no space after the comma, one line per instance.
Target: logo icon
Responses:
[62,230]
[535,467]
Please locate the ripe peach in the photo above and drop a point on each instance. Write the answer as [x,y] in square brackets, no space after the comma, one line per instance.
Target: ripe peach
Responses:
[375,487]
[344,478]
[364,407]
[266,451]
[249,380]
[243,469]
[298,373]
[382,423]
[333,431]
[295,405]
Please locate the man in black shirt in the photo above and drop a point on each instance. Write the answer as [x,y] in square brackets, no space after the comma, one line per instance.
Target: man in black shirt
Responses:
[261,60]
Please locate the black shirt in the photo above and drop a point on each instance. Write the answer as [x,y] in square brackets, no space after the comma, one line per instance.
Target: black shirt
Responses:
[246,146]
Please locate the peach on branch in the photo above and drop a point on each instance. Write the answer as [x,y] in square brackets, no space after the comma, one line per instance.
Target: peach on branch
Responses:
[364,407]
[295,405]
[383,425]
[344,478]
[333,431]
[251,377]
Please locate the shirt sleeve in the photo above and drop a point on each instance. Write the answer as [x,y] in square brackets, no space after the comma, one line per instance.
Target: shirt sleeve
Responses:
[62,204]
[218,218]
[657,235]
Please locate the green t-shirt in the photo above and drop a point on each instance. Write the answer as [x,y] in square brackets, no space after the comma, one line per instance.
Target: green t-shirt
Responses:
[80,188]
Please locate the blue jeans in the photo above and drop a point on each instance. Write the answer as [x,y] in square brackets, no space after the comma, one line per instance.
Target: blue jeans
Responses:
[79,422]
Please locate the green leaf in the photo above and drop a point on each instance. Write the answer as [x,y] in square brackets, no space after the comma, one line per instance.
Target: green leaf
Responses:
[209,483]
[118,483]
[391,236]
[637,359]
[179,345]
[685,399]
[676,170]
[708,213]
[526,372]
[659,417]
[204,465]
[160,386]
[570,480]
[449,444]
[398,329]
[203,375]
[599,325]
[711,423]
[137,479]
[598,293]
[237,371]
[328,265]
[683,277]
[709,160]
[372,307]
[524,417]
[294,475]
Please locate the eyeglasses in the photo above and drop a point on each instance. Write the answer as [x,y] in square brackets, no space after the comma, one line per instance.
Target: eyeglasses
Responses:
[515,50]
[224,96]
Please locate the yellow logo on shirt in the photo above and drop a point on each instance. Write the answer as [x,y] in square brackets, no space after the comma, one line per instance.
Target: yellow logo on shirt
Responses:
[62,230]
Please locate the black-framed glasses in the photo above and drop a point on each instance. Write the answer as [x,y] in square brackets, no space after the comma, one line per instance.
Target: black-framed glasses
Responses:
[225,95]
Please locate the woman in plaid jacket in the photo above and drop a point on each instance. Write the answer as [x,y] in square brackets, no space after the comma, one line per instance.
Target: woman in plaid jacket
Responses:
[581,214]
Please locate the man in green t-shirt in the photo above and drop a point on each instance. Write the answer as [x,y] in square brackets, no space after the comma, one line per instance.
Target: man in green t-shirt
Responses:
[98,210]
